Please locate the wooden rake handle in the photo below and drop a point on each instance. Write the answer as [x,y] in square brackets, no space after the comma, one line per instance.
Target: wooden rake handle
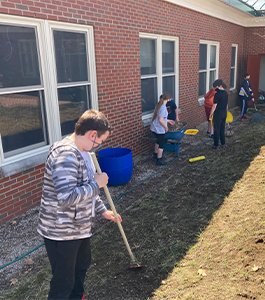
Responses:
[106,190]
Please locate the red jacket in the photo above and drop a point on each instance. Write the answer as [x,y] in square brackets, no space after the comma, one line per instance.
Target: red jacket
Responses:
[208,98]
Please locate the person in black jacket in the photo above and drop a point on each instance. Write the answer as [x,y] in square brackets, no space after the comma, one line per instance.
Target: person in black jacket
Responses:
[219,113]
[245,95]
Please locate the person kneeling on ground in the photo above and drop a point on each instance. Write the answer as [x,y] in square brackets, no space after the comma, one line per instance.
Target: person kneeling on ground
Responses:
[69,201]
[159,127]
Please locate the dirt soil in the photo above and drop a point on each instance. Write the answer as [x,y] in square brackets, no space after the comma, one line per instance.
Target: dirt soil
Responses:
[197,229]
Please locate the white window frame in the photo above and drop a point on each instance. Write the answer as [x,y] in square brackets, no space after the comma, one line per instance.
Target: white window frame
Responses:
[235,67]
[208,69]
[159,75]
[44,39]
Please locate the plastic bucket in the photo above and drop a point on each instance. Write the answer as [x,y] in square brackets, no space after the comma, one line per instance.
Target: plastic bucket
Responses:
[117,163]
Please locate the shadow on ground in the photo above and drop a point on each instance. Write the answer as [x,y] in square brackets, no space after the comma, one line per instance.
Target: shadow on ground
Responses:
[174,207]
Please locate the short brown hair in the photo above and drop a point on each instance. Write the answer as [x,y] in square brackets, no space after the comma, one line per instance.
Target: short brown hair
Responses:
[92,120]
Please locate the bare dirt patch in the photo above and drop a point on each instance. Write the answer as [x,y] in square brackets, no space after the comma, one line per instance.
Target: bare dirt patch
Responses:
[196,228]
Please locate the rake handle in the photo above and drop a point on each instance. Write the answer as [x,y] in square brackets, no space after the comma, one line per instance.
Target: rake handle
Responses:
[106,190]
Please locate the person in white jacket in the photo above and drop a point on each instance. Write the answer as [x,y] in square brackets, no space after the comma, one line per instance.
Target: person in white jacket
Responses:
[69,201]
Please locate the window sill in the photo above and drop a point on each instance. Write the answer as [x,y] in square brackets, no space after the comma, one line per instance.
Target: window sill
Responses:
[233,91]
[147,121]
[201,102]
[24,163]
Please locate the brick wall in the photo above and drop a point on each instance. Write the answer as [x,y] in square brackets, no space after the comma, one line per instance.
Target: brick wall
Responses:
[117,24]
[20,192]
[254,44]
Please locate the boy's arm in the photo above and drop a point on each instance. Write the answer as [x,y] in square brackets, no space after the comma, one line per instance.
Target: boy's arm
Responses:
[213,109]
[65,174]
[177,114]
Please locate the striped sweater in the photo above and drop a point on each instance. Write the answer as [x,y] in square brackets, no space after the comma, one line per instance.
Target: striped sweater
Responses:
[70,195]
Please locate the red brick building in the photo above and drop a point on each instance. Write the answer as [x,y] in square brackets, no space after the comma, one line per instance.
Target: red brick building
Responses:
[59,58]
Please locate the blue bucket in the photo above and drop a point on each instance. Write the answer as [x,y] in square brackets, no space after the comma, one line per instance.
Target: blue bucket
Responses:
[117,163]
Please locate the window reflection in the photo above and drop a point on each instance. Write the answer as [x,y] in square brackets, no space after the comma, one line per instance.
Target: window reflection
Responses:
[168,56]
[169,85]
[18,57]
[73,102]
[149,95]
[147,56]
[202,84]
[71,56]
[22,123]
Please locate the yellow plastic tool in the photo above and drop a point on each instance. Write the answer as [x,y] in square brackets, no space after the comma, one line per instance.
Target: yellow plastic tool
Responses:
[229,118]
[191,131]
[211,119]
[196,158]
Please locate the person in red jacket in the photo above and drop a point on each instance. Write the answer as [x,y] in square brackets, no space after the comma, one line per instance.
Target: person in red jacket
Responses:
[208,103]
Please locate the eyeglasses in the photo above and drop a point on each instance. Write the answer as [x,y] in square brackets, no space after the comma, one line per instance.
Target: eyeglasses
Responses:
[94,142]
[95,145]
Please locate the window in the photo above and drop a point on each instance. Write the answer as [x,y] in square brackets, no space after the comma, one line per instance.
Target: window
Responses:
[45,84]
[159,70]
[23,122]
[208,66]
[73,86]
[233,67]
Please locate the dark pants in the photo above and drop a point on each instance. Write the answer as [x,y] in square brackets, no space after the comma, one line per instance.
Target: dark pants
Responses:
[244,105]
[219,127]
[69,262]
[160,139]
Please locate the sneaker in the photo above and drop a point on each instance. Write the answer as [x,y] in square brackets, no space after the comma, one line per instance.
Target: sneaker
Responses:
[224,146]
[83,298]
[154,155]
[215,147]
[245,117]
[208,133]
[241,119]
[160,162]
[211,136]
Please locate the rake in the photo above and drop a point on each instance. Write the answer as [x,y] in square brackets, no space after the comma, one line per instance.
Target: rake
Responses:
[134,263]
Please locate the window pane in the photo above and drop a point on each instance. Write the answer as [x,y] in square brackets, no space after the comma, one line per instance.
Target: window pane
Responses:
[169,85]
[203,56]
[71,56]
[22,122]
[233,57]
[213,57]
[212,78]
[149,95]
[73,102]
[232,78]
[168,56]
[202,84]
[148,56]
[18,57]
